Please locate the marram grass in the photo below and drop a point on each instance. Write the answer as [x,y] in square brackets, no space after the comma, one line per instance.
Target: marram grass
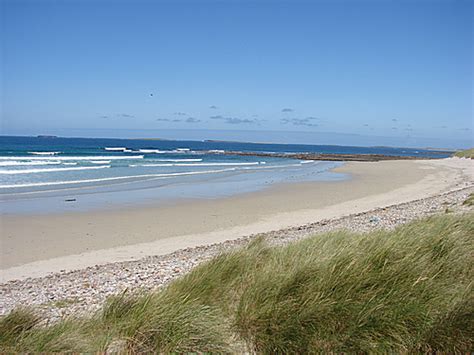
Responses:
[468,153]
[469,201]
[405,290]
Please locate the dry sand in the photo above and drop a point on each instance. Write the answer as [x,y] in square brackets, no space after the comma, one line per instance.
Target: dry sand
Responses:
[33,246]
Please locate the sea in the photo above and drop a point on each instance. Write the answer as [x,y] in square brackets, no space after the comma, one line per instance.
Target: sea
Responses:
[47,174]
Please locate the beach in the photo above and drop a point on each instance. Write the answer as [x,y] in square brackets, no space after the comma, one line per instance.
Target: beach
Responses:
[37,245]
[241,178]
[86,280]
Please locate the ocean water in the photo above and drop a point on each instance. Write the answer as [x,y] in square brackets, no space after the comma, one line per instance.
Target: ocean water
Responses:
[42,175]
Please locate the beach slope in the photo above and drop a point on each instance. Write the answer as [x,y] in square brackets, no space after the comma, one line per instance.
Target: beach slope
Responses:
[36,245]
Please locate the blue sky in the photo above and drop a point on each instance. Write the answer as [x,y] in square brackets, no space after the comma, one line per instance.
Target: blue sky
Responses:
[397,72]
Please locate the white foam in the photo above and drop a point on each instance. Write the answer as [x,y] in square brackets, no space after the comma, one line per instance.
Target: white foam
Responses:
[44,153]
[217,164]
[179,160]
[115,149]
[152,176]
[153,151]
[271,167]
[91,157]
[195,164]
[118,149]
[23,163]
[166,160]
[306,161]
[100,161]
[69,163]
[157,151]
[35,171]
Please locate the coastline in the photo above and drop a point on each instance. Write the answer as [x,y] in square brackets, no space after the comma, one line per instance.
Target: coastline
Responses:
[75,241]
[81,292]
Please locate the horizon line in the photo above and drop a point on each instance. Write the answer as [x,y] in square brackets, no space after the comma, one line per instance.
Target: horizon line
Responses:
[50,136]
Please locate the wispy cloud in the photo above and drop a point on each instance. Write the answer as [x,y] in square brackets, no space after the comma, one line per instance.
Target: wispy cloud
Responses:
[234,120]
[180,113]
[394,120]
[287,109]
[125,115]
[187,120]
[308,121]
[117,115]
[213,107]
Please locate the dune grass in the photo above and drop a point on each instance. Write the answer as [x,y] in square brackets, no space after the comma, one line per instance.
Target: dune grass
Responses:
[131,323]
[405,290]
[469,201]
[468,153]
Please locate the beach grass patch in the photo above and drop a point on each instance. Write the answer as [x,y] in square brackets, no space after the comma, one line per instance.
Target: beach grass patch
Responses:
[404,290]
[469,201]
[468,153]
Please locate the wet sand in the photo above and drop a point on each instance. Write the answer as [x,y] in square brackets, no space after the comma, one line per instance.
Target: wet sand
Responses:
[40,244]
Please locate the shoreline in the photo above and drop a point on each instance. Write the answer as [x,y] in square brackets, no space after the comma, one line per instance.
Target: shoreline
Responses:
[81,292]
[163,190]
[100,238]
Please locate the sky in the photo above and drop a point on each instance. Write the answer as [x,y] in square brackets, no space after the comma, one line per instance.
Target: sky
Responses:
[329,72]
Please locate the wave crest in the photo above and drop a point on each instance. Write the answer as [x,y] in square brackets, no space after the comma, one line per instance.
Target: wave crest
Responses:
[35,171]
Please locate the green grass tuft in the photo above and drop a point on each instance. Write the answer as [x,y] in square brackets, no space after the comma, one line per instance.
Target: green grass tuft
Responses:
[385,291]
[157,322]
[20,332]
[468,153]
[469,201]
[16,323]
[152,322]
[407,290]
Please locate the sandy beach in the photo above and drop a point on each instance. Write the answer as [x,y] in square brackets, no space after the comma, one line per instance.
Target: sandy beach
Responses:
[34,246]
